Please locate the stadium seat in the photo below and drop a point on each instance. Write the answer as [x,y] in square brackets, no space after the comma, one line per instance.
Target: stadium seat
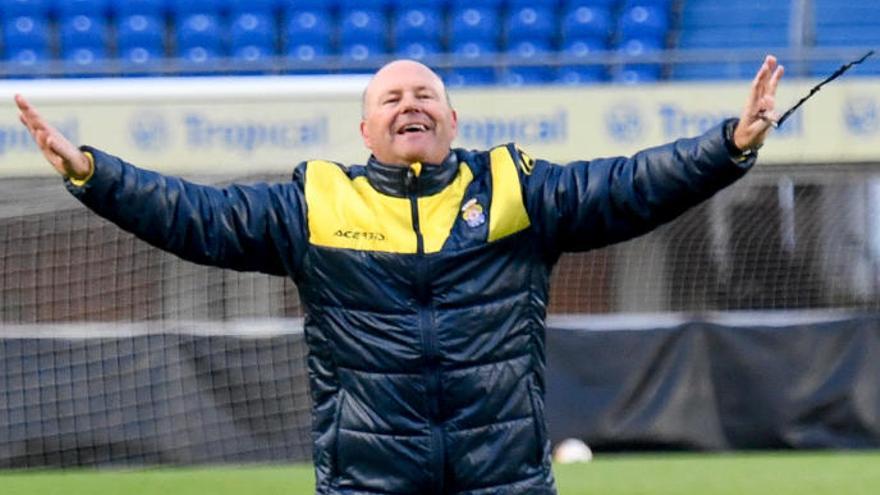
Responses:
[124,8]
[26,63]
[417,24]
[586,22]
[143,31]
[358,26]
[418,50]
[185,8]
[581,73]
[535,4]
[91,8]
[26,32]
[854,35]
[474,24]
[361,57]
[296,5]
[643,21]
[568,5]
[198,60]
[422,4]
[24,8]
[305,53]
[637,74]
[85,61]
[530,23]
[378,5]
[82,31]
[520,75]
[468,53]
[725,15]
[308,26]
[199,30]
[738,37]
[140,60]
[252,29]
[265,7]
[477,4]
[252,59]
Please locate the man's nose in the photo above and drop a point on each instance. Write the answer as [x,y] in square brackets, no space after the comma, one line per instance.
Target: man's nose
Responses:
[411,103]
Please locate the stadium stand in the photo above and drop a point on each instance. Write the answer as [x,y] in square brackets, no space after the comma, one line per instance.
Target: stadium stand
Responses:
[573,37]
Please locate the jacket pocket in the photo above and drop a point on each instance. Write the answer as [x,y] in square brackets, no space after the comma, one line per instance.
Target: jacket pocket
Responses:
[538,420]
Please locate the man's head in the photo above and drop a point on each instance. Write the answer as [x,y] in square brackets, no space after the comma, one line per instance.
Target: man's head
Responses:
[407,116]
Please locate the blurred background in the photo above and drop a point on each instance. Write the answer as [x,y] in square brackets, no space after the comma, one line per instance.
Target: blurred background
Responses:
[749,323]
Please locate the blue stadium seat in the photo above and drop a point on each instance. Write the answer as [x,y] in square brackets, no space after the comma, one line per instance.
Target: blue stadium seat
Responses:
[710,71]
[637,74]
[415,24]
[535,4]
[643,21]
[252,59]
[427,4]
[198,60]
[200,30]
[364,4]
[477,4]
[124,8]
[85,61]
[531,23]
[855,35]
[26,32]
[82,31]
[253,29]
[473,24]
[738,37]
[308,26]
[579,73]
[767,15]
[824,68]
[142,31]
[24,8]
[586,22]
[296,5]
[568,5]
[27,63]
[92,8]
[521,75]
[468,53]
[363,26]
[418,50]
[186,8]
[266,7]
[141,60]
[307,53]
[850,13]
[360,57]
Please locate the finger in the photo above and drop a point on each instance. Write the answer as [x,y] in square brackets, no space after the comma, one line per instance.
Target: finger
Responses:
[758,83]
[774,80]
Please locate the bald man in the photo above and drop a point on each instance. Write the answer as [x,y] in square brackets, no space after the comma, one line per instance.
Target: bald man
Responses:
[423,274]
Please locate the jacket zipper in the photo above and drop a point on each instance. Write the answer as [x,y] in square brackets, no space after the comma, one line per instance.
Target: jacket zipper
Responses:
[428,337]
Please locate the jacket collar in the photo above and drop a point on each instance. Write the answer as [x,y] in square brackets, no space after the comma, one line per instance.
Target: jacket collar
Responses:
[423,180]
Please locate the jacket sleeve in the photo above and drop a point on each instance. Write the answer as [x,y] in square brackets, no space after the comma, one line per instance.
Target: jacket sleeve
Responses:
[589,204]
[246,228]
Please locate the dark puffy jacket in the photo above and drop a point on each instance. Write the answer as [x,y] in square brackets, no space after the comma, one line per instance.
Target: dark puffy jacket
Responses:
[425,291]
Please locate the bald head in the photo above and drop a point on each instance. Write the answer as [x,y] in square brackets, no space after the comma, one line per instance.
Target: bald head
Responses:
[394,67]
[406,115]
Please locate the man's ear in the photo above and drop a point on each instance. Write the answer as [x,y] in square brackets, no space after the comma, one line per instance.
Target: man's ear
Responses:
[454,124]
[365,135]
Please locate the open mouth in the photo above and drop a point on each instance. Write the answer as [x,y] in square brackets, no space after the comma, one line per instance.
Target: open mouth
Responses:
[412,128]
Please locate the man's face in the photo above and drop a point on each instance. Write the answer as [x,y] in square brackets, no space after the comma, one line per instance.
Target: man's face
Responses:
[407,117]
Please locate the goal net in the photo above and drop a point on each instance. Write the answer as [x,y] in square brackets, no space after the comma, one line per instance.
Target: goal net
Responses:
[113,352]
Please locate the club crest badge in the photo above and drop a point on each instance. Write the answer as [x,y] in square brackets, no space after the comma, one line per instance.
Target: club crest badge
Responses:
[472,213]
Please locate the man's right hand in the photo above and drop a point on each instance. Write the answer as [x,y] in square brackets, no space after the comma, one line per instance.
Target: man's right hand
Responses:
[67,159]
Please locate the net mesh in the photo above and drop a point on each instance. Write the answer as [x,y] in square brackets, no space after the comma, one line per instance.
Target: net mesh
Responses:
[783,238]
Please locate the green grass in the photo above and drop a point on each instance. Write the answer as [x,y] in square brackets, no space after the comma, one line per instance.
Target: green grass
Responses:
[849,473]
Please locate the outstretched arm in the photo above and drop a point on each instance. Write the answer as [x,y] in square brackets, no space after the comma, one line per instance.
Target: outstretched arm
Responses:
[588,204]
[67,159]
[250,228]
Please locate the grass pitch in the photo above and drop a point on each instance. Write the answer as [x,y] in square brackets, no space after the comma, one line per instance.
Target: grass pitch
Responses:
[788,473]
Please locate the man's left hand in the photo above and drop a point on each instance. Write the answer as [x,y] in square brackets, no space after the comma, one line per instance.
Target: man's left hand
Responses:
[759,113]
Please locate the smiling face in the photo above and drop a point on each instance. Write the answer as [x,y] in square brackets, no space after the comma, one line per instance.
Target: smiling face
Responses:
[407,117]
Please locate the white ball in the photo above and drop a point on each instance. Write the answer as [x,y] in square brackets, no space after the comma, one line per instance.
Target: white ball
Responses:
[572,450]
